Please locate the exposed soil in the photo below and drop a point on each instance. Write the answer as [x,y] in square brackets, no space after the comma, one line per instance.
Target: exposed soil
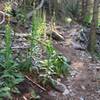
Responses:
[82,84]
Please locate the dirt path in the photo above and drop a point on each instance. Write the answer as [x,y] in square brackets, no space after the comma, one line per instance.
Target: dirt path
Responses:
[81,84]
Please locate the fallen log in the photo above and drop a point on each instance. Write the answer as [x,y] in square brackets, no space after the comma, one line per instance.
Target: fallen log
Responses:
[55,35]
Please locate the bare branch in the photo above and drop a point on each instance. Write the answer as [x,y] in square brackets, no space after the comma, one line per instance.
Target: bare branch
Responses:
[3,19]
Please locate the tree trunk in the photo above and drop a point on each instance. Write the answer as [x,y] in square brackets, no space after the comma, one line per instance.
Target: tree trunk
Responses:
[84,8]
[89,10]
[92,35]
[99,15]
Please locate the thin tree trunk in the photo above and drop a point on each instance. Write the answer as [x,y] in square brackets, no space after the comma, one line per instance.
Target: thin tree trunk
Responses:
[99,14]
[89,10]
[92,35]
[84,8]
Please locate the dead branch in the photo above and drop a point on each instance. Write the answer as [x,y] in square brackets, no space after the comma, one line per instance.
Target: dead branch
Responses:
[42,88]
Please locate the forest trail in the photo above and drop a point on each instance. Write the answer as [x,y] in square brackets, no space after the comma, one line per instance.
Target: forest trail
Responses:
[81,84]
[39,40]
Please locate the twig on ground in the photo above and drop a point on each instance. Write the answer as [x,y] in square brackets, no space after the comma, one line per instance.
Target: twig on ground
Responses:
[42,88]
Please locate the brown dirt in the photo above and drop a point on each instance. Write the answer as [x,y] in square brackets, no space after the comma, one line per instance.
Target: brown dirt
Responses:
[84,84]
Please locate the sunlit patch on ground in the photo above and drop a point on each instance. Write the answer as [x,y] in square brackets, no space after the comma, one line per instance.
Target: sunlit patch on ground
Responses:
[78,64]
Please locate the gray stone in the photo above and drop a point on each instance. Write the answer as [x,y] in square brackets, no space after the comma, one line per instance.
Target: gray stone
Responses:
[60,87]
[66,92]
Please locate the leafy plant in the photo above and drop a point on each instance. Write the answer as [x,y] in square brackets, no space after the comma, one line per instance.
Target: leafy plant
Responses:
[54,65]
[8,45]
[87,20]
[7,7]
[47,80]
[38,29]
[60,64]
[33,54]
[9,74]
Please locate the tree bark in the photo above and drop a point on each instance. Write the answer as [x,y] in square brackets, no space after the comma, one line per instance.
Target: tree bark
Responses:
[92,35]
[84,7]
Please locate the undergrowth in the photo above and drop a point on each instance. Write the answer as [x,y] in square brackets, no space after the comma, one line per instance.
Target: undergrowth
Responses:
[53,64]
[9,74]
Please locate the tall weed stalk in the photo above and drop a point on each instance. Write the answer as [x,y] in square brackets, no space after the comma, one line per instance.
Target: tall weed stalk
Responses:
[38,29]
[8,45]
[9,73]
